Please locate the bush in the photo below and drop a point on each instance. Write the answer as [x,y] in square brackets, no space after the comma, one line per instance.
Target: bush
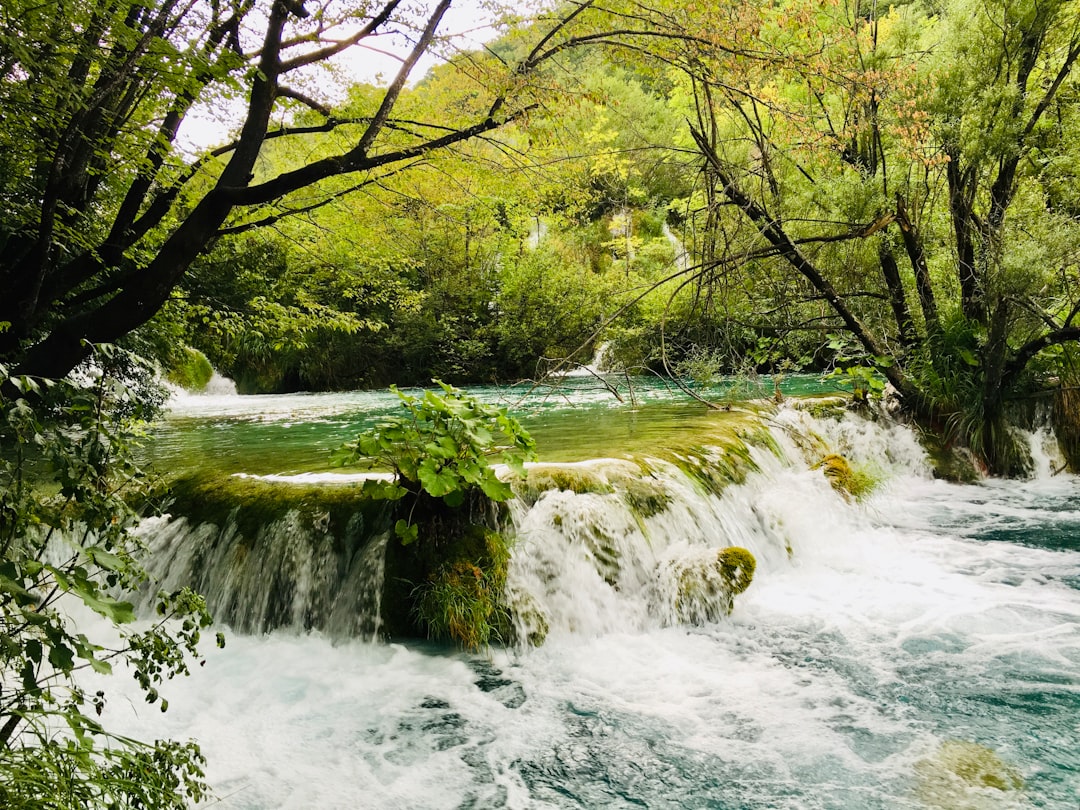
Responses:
[68,494]
[438,452]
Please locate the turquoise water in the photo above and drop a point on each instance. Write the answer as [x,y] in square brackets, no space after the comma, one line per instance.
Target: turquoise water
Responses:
[919,649]
[579,419]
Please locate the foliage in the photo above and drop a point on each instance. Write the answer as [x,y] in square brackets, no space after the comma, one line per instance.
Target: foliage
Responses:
[105,209]
[893,175]
[68,490]
[462,600]
[441,447]
[191,370]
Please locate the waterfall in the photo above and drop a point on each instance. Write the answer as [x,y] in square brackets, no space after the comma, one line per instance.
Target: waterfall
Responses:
[600,546]
[284,557]
[599,364]
[915,645]
[1046,456]
[682,255]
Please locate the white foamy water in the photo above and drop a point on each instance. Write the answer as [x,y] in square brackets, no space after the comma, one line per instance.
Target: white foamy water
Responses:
[873,633]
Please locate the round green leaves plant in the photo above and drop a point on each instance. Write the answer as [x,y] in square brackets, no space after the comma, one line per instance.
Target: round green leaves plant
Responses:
[441,445]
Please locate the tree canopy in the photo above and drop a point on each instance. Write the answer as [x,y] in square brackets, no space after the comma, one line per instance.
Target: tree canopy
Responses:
[887,188]
[103,213]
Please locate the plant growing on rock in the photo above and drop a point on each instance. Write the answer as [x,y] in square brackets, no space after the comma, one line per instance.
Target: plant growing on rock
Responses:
[439,452]
[851,482]
[706,587]
[441,446]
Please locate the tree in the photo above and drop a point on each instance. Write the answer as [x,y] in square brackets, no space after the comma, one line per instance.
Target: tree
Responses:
[903,168]
[103,213]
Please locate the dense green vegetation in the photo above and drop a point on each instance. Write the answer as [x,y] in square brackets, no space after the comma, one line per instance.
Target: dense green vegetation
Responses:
[889,198]
[70,496]
[882,188]
[439,452]
[888,190]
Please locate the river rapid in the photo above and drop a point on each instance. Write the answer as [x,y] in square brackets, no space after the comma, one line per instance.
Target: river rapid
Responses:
[918,648]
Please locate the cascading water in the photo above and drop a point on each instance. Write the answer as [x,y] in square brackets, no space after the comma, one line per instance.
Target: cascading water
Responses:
[915,648]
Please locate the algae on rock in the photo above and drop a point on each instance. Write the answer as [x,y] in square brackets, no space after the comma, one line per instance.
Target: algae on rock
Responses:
[961,772]
[849,481]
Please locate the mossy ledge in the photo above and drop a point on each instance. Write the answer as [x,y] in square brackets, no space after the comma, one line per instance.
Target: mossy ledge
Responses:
[249,504]
[448,585]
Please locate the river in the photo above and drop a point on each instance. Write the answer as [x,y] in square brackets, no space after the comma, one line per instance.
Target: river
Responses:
[918,648]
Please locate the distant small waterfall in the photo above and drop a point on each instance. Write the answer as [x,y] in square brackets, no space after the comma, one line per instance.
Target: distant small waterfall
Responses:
[682,255]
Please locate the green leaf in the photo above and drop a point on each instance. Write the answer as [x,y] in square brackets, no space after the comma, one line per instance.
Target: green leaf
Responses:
[105,559]
[21,595]
[112,609]
[407,532]
[495,489]
[437,481]
[378,489]
[61,657]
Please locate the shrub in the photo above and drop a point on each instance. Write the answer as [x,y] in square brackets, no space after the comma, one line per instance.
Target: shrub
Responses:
[68,490]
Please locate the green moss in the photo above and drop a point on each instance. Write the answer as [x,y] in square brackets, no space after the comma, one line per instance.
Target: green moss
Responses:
[530,618]
[540,478]
[250,504]
[823,407]
[715,469]
[737,566]
[849,481]
[189,369]
[950,463]
[645,496]
[706,590]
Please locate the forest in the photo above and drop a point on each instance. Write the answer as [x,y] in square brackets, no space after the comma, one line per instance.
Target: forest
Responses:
[887,192]
[883,189]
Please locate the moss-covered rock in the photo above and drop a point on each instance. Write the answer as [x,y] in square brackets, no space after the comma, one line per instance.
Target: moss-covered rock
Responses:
[714,469]
[645,497]
[736,566]
[849,481]
[706,587]
[529,622]
[578,478]
[823,407]
[950,462]
[189,368]
[248,504]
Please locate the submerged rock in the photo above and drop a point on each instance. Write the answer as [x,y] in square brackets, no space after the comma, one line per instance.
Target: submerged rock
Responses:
[963,774]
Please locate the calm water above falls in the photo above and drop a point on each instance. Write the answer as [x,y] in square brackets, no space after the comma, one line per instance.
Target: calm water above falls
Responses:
[861,670]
